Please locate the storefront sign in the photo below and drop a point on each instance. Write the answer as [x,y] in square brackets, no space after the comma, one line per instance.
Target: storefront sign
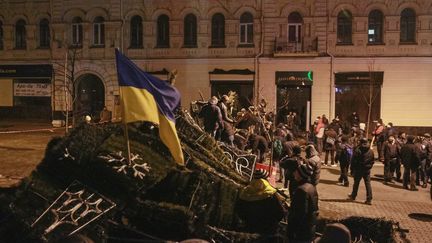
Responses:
[359,78]
[32,89]
[294,78]
[26,71]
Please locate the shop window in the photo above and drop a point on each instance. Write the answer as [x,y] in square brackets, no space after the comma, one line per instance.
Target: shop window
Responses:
[163,31]
[44,34]
[375,29]
[408,26]
[353,92]
[20,35]
[344,27]
[77,32]
[98,32]
[246,29]
[190,31]
[218,31]
[136,32]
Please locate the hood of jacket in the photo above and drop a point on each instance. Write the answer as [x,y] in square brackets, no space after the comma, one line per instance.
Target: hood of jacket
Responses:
[311,151]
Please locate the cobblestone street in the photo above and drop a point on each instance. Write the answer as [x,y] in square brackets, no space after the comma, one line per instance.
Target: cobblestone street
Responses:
[389,201]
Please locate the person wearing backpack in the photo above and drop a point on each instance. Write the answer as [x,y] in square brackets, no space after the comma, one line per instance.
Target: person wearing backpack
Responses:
[343,154]
[391,157]
[361,165]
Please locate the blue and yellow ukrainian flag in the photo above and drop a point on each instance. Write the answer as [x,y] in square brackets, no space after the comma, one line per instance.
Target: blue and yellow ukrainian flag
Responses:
[147,98]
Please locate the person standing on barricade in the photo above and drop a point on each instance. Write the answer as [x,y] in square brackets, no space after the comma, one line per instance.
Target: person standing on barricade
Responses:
[212,117]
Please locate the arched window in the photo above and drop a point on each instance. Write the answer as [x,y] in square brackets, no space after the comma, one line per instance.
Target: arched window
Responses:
[246,28]
[1,35]
[98,31]
[44,33]
[295,22]
[136,32]
[375,29]
[190,31]
[163,31]
[408,26]
[218,30]
[77,31]
[344,27]
[20,34]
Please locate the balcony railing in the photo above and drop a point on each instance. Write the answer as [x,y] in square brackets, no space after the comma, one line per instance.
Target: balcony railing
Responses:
[283,47]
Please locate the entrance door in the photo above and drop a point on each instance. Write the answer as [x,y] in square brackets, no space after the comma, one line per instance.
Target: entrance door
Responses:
[243,89]
[90,96]
[292,98]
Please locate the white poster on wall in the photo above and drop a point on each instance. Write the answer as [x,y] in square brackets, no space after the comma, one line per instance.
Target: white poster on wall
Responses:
[32,89]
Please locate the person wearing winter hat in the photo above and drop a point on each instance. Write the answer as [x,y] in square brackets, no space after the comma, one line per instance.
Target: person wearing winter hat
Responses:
[258,205]
[302,217]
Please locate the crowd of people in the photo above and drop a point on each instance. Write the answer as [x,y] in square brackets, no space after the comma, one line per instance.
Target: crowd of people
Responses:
[299,161]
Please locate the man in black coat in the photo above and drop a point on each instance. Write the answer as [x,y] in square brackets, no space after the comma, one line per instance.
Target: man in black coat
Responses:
[361,165]
[212,116]
[391,157]
[410,156]
[303,213]
[259,146]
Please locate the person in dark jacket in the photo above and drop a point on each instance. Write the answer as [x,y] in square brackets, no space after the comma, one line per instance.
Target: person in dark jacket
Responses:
[361,165]
[259,146]
[314,161]
[290,164]
[344,154]
[400,141]
[303,213]
[410,156]
[212,117]
[391,157]
[379,138]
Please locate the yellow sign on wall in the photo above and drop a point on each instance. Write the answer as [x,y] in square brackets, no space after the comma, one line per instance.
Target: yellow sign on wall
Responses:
[6,92]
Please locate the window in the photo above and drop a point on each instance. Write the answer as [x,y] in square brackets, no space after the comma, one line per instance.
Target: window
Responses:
[163,31]
[98,31]
[136,30]
[218,30]
[44,34]
[408,26]
[375,29]
[344,27]
[295,21]
[190,31]
[1,35]
[77,31]
[20,35]
[246,28]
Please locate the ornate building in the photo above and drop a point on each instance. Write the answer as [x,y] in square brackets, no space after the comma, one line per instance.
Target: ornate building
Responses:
[312,57]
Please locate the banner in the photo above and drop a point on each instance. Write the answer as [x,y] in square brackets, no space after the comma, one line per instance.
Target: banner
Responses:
[32,89]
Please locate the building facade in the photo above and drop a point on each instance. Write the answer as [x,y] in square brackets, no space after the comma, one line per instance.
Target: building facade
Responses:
[311,57]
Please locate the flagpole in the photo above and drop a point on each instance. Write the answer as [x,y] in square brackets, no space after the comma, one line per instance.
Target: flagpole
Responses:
[126,129]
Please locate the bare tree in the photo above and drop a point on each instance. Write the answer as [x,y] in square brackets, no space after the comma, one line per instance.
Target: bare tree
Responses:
[67,69]
[371,94]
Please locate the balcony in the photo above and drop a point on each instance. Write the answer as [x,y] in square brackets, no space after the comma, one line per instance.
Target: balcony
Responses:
[284,48]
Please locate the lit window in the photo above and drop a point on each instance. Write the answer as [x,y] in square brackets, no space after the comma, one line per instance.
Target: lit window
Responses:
[375,29]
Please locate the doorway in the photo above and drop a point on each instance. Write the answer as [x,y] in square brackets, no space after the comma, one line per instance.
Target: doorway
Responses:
[293,98]
[90,96]
[243,89]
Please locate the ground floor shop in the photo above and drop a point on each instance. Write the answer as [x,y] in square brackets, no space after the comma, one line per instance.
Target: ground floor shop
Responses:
[26,91]
[398,90]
